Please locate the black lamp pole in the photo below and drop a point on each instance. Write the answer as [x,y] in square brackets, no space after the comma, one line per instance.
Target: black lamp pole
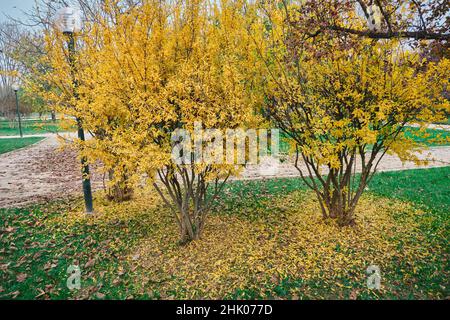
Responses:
[87,190]
[18,113]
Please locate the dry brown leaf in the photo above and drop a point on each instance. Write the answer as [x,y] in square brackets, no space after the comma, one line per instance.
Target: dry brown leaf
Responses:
[354,294]
[100,295]
[21,277]
[90,263]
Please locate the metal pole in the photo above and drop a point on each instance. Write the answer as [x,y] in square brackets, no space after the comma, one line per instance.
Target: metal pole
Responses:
[87,190]
[18,114]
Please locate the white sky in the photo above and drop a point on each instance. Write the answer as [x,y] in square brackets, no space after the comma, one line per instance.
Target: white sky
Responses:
[14,7]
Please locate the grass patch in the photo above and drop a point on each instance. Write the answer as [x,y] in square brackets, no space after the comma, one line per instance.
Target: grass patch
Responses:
[265,240]
[424,187]
[431,137]
[9,128]
[38,244]
[10,144]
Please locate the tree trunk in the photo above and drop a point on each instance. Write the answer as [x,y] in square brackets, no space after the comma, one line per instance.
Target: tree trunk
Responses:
[120,191]
[190,231]
[345,216]
[339,209]
[187,197]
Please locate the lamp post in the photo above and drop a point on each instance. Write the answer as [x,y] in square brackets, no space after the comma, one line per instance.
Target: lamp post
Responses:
[15,86]
[69,22]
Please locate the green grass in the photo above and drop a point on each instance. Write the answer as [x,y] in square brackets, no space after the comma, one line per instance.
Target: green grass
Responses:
[38,253]
[433,137]
[8,128]
[10,144]
[429,187]
[43,252]
[424,187]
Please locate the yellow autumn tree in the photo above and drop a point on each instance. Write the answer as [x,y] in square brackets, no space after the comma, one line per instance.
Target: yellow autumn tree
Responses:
[344,101]
[146,71]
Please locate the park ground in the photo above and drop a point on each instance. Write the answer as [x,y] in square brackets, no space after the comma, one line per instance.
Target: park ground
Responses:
[264,239]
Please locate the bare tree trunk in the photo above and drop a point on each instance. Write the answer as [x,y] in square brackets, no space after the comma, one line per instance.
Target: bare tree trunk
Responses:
[189,196]
[337,193]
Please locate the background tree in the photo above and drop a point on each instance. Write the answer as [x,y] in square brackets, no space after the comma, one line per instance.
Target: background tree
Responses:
[145,71]
[409,19]
[10,70]
[22,50]
[345,100]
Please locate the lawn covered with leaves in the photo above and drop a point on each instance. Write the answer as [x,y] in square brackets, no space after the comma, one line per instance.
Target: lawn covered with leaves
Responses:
[10,144]
[266,239]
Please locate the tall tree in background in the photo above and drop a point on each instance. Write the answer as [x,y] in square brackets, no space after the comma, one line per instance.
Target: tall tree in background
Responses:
[25,39]
[22,49]
[10,68]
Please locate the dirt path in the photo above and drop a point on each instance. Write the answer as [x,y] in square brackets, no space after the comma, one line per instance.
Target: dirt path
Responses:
[41,172]
[436,157]
[442,126]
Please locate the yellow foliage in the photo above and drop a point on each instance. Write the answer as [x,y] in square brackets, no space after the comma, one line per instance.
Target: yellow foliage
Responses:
[336,94]
[144,71]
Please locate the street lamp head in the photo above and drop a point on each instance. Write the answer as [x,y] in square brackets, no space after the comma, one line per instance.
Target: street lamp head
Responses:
[15,86]
[374,18]
[68,20]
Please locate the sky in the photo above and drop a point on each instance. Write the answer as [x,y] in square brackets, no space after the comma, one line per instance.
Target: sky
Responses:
[13,7]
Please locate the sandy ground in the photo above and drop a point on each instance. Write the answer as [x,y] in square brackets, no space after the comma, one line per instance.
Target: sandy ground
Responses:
[42,172]
[436,157]
[445,127]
